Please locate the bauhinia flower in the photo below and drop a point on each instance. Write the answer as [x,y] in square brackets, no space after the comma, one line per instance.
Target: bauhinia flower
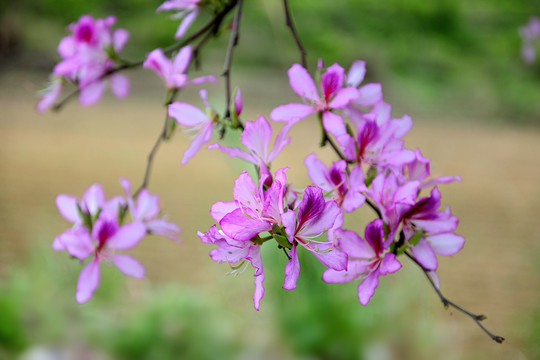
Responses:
[367,260]
[174,72]
[88,54]
[101,244]
[194,121]
[313,218]
[334,96]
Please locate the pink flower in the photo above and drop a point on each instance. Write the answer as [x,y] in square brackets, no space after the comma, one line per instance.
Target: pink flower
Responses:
[367,260]
[103,242]
[145,209]
[173,72]
[368,94]
[254,210]
[86,59]
[314,217]
[334,96]
[345,190]
[256,138]
[235,253]
[194,121]
[189,11]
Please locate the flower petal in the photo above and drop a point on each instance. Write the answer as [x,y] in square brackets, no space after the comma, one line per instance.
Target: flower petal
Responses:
[187,114]
[128,265]
[67,206]
[292,270]
[119,85]
[333,123]
[88,281]
[291,112]
[302,83]
[446,244]
[127,236]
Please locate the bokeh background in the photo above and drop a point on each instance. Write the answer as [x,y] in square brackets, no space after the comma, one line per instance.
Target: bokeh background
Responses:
[453,65]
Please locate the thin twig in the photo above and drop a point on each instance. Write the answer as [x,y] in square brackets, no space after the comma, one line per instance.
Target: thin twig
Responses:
[476,318]
[371,205]
[233,41]
[290,25]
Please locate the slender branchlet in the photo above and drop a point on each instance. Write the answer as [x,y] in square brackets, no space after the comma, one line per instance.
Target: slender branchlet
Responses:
[290,25]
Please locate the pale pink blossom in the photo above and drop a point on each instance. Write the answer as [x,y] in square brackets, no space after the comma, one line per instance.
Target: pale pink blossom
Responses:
[188,10]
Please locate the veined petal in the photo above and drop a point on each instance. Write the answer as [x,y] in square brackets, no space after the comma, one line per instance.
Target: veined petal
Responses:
[329,256]
[291,112]
[128,265]
[389,264]
[127,236]
[321,223]
[332,276]
[88,281]
[164,228]
[280,142]
[159,63]
[302,83]
[292,270]
[256,137]
[247,194]
[317,172]
[222,208]
[353,245]
[147,206]
[242,228]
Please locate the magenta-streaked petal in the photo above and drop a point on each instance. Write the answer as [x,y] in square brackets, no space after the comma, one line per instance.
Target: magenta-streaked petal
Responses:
[119,85]
[185,24]
[182,59]
[292,270]
[159,63]
[369,95]
[425,255]
[93,198]
[128,265]
[259,291]
[127,236]
[389,264]
[348,145]
[242,228]
[446,244]
[238,103]
[91,93]
[333,123]
[302,83]
[67,206]
[88,281]
[187,114]
[289,222]
[367,287]
[356,74]
[343,98]
[246,193]
[321,223]
[202,138]
[222,208]
[291,112]
[332,80]
[164,228]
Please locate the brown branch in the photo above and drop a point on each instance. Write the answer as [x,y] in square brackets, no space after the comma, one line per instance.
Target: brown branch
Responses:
[476,318]
[233,41]
[290,25]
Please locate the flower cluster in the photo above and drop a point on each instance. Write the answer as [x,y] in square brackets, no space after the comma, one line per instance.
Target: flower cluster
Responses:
[375,169]
[100,229]
[87,55]
[530,33]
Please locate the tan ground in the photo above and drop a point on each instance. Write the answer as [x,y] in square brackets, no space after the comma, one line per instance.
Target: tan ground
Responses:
[497,203]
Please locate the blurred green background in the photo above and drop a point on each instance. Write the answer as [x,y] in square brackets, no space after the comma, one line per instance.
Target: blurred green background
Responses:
[454,66]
